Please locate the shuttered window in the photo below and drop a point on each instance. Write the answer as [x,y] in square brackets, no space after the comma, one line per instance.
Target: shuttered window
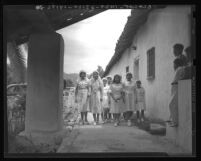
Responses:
[151,63]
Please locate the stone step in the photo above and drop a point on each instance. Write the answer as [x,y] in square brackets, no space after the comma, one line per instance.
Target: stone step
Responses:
[157,129]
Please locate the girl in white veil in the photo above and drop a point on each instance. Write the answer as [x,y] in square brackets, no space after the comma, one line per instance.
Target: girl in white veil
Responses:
[96,96]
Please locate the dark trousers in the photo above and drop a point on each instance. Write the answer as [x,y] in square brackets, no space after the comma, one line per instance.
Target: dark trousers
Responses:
[140,115]
[127,115]
[106,113]
[116,117]
[96,117]
[84,115]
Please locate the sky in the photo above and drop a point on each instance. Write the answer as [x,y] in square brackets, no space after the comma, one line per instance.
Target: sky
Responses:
[91,42]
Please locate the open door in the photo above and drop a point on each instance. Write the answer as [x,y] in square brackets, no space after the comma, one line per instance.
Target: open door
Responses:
[136,69]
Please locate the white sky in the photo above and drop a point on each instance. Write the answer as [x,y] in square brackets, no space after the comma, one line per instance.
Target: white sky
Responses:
[91,42]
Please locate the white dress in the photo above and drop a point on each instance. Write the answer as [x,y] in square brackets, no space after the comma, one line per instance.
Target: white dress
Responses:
[116,90]
[130,96]
[82,95]
[105,97]
[140,99]
[96,95]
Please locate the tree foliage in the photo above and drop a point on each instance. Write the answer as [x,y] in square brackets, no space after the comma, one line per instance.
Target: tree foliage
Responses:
[100,70]
[10,79]
[17,68]
[69,83]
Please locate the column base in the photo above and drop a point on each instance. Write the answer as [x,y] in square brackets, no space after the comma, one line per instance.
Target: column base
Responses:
[46,141]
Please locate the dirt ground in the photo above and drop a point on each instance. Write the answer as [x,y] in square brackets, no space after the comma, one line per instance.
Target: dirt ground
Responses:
[107,138]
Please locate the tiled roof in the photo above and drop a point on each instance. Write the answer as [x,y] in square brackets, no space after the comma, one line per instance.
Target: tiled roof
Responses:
[135,20]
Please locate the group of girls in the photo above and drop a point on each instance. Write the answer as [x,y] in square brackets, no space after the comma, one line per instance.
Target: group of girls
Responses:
[109,98]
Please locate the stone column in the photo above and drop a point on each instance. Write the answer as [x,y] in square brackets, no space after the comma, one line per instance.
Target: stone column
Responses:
[44,100]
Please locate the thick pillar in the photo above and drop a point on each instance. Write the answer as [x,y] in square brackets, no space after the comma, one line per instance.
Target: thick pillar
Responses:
[45,83]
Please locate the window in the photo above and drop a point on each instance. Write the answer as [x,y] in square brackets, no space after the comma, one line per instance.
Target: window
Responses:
[151,63]
[127,69]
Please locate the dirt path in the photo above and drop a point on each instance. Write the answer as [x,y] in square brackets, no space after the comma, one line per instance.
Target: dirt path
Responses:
[107,138]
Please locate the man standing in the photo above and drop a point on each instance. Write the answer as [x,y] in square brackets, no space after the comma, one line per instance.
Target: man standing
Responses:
[178,50]
[189,69]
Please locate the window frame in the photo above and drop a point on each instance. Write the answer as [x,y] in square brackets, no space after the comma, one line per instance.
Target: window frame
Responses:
[151,63]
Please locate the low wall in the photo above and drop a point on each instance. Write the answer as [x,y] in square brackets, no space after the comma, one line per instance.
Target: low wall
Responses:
[182,135]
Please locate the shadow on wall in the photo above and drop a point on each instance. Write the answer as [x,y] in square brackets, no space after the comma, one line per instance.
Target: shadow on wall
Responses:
[152,112]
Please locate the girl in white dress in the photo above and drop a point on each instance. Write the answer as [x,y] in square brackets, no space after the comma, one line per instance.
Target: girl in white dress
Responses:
[140,101]
[105,103]
[130,94]
[117,98]
[96,96]
[82,93]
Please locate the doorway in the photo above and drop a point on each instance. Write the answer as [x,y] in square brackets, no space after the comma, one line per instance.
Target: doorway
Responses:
[136,69]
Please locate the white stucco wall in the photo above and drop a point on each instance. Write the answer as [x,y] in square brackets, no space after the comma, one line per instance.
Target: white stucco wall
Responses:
[182,135]
[164,28]
[120,66]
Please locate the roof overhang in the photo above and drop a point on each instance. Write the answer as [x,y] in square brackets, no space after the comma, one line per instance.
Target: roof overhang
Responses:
[22,21]
[137,18]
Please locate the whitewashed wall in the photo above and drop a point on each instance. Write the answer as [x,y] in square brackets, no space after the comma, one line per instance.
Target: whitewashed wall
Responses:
[120,66]
[163,29]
